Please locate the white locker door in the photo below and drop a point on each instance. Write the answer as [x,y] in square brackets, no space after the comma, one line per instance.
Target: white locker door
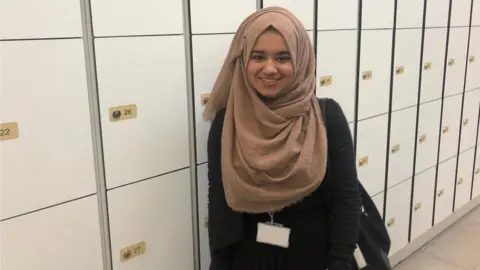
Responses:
[423,196]
[445,186]
[66,236]
[460,13]
[450,127]
[44,91]
[147,75]
[473,69]
[340,14]
[402,144]
[469,119]
[158,213]
[456,59]
[476,13]
[375,58]
[437,13]
[433,61]
[371,153]
[410,13]
[229,13]
[398,215]
[464,178]
[377,14]
[407,62]
[207,62]
[427,139]
[336,68]
[304,11]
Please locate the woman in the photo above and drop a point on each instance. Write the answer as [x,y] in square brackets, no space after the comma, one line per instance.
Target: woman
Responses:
[273,204]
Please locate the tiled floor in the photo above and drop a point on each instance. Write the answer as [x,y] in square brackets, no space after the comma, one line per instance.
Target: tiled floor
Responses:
[458,248]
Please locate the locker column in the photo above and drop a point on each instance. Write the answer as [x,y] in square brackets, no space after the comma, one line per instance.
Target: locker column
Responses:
[48,202]
[210,41]
[141,79]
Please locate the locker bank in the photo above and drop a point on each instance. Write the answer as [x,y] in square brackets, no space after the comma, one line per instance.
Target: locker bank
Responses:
[103,148]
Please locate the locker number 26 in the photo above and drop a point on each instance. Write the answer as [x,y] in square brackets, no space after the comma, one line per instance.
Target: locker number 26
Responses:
[123,112]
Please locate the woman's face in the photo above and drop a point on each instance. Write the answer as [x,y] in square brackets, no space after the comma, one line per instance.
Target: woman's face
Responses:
[270,68]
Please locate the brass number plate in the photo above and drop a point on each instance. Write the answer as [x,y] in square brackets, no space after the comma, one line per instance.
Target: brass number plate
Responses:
[422,138]
[400,70]
[451,62]
[418,206]
[133,251]
[363,161]
[8,131]
[471,59]
[123,112]
[427,66]
[395,148]
[391,222]
[204,98]
[326,81]
[367,75]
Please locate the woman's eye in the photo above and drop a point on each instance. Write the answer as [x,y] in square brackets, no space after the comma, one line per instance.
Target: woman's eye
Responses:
[257,57]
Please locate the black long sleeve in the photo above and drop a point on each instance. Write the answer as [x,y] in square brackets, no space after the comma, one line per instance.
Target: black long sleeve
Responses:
[346,202]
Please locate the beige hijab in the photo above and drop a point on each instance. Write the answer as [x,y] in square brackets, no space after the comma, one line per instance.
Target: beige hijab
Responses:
[274,153]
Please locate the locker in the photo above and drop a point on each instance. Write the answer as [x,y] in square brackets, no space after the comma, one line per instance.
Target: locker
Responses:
[336,60]
[202,193]
[157,211]
[375,59]
[397,214]
[377,14]
[371,153]
[456,59]
[303,10]
[66,236]
[433,64]
[340,14]
[148,72]
[229,13]
[476,13]
[460,13]
[464,178]
[450,127]
[144,17]
[445,185]
[476,176]
[379,200]
[402,145]
[40,19]
[410,13]
[207,62]
[407,62]
[437,13]
[51,161]
[473,68]
[423,196]
[427,139]
[469,119]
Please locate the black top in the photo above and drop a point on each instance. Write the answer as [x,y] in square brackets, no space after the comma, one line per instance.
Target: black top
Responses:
[324,226]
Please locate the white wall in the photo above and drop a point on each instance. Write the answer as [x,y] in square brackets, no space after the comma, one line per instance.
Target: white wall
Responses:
[77,188]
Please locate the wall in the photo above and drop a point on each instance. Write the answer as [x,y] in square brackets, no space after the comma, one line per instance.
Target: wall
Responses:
[78,186]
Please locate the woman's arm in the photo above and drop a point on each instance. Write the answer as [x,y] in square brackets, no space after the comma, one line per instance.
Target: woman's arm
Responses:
[224,226]
[346,203]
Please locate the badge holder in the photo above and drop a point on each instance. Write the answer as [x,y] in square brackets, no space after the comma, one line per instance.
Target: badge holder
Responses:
[273,233]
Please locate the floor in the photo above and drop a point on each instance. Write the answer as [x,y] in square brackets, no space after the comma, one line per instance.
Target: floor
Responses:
[458,248]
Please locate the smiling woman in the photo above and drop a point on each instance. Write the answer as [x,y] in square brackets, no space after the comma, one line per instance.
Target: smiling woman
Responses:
[267,157]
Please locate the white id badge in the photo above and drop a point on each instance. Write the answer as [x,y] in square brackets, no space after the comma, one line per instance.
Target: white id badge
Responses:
[358,255]
[273,234]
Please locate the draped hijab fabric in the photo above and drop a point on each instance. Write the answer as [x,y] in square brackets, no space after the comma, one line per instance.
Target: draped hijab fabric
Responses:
[274,152]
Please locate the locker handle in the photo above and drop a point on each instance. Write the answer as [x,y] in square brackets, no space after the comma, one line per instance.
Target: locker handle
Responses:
[422,138]
[399,70]
[451,62]
[427,65]
[325,81]
[418,206]
[477,171]
[204,98]
[391,222]
[465,122]
[367,75]
[363,161]
[460,181]
[445,129]
[396,149]
[440,193]
[471,59]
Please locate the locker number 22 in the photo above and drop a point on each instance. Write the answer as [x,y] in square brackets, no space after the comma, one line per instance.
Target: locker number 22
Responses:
[8,131]
[123,112]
